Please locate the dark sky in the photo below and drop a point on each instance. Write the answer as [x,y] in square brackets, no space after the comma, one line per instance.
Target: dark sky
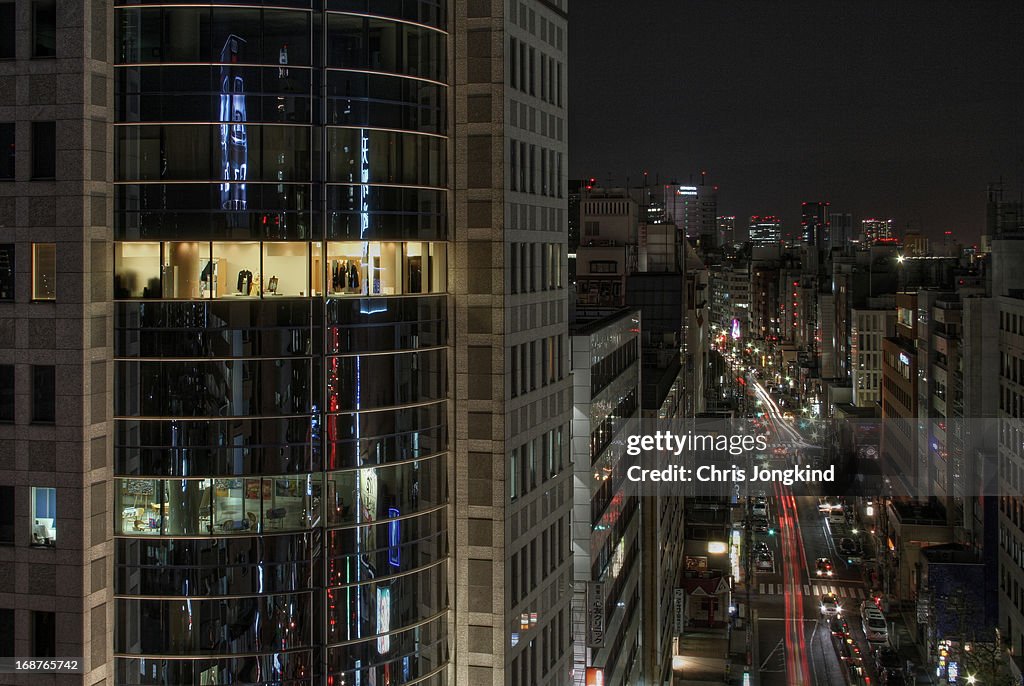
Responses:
[898,108]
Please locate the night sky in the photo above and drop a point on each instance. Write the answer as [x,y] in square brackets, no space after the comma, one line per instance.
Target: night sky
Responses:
[903,109]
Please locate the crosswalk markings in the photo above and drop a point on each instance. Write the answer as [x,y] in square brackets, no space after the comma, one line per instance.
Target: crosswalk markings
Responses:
[816,589]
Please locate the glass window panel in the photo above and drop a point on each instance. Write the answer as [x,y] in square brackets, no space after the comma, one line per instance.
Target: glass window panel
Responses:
[346,267]
[137,270]
[188,272]
[44,271]
[6,271]
[385,268]
[185,32]
[140,505]
[43,518]
[44,149]
[286,37]
[6,392]
[237,505]
[44,28]
[317,270]
[7,30]
[235,35]
[286,269]
[238,268]
[7,146]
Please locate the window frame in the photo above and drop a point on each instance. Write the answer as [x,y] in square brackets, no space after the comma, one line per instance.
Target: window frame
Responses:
[37,295]
[40,172]
[38,416]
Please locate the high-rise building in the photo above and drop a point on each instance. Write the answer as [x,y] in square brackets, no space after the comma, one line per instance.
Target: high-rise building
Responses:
[726,229]
[262,290]
[282,331]
[841,233]
[694,209]
[870,325]
[872,230]
[764,230]
[815,224]
[606,568]
[513,568]
[56,434]
[1003,217]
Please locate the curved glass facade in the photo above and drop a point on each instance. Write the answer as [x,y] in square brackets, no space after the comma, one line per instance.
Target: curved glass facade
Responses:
[281,343]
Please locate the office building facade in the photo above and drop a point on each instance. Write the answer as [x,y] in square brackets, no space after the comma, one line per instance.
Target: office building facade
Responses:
[56,551]
[281,241]
[512,492]
[239,268]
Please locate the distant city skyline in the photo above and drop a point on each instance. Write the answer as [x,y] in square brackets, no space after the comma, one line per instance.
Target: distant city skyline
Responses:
[915,106]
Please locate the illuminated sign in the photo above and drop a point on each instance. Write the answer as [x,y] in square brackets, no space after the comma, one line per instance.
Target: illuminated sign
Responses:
[904,359]
[595,676]
[383,620]
[686,190]
[735,329]
[595,614]
[394,538]
[679,609]
[234,146]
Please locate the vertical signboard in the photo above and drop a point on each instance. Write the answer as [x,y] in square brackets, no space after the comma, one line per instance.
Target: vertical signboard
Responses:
[595,614]
[679,609]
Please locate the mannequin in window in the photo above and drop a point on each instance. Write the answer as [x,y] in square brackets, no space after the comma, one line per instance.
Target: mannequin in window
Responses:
[272,285]
[244,281]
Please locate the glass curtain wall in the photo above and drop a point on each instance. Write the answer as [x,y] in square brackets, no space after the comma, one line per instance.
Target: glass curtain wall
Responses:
[281,348]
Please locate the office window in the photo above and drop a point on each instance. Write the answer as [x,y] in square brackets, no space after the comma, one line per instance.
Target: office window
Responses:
[513,473]
[6,392]
[44,271]
[6,271]
[44,634]
[513,63]
[43,387]
[6,148]
[7,30]
[6,519]
[6,632]
[44,28]
[44,149]
[44,516]
[513,164]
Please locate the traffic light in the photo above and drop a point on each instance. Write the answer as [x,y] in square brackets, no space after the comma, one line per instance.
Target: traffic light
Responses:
[771,531]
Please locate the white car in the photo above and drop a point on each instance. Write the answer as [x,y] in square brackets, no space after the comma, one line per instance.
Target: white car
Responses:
[759,510]
[875,628]
[830,606]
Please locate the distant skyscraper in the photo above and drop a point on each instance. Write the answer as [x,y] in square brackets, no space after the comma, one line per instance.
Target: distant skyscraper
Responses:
[765,230]
[726,229]
[872,230]
[694,209]
[841,229]
[1003,216]
[814,223]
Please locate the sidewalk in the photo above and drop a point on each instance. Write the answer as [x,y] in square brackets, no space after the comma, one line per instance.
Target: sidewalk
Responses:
[903,640]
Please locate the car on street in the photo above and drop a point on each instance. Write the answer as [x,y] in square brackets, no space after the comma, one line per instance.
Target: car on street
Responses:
[765,562]
[873,622]
[830,606]
[851,550]
[760,524]
[839,627]
[823,567]
[759,509]
[761,547]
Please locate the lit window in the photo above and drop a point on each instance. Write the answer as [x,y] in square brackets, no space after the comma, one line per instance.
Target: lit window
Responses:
[44,516]
[44,271]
